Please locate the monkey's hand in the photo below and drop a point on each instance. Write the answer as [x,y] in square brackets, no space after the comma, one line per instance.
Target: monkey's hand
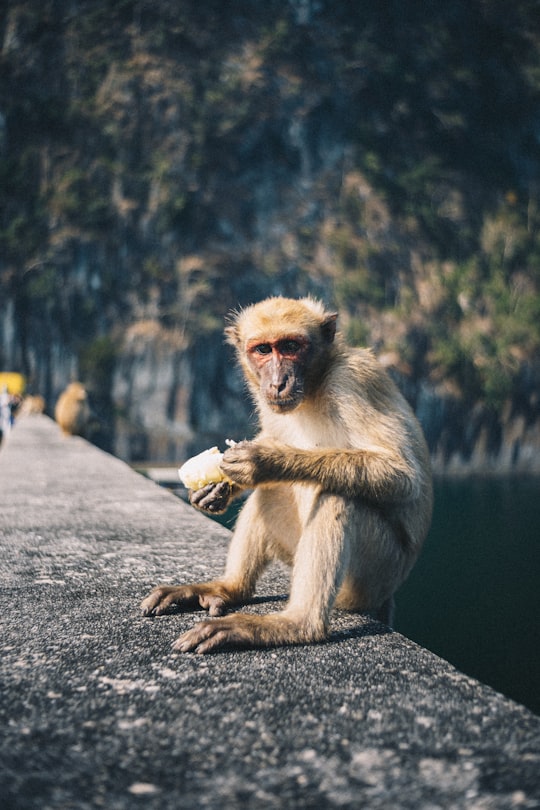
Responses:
[252,463]
[213,498]
[211,596]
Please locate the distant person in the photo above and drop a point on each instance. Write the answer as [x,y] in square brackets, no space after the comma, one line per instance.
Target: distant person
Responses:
[6,412]
[72,411]
[15,404]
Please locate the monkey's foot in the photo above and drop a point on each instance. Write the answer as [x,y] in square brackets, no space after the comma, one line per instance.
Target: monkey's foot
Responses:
[237,630]
[212,597]
[243,630]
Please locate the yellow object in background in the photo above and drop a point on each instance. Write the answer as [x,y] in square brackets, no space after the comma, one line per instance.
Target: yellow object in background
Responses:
[14,382]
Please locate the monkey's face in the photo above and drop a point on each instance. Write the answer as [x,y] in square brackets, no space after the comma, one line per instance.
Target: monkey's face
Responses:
[280,367]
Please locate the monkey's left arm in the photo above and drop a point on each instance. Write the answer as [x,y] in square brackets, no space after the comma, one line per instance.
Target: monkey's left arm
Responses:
[375,474]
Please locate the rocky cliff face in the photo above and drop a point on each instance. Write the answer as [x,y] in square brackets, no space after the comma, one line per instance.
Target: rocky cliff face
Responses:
[161,166]
[472,439]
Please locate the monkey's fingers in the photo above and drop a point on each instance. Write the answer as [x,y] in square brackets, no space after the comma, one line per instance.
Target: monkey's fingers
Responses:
[240,463]
[162,598]
[196,495]
[211,596]
[214,498]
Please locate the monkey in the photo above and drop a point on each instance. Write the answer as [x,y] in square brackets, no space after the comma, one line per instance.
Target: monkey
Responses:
[340,477]
[31,404]
[72,411]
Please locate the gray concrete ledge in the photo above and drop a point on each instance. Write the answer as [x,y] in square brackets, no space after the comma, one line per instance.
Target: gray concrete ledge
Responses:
[97,712]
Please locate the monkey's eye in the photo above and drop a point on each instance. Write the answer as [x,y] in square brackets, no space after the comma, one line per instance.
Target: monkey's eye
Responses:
[289,347]
[262,348]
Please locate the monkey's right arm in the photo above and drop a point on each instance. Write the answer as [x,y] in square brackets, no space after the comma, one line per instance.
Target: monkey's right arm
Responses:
[378,475]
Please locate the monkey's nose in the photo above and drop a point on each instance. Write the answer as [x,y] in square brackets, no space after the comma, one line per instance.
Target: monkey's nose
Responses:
[279,387]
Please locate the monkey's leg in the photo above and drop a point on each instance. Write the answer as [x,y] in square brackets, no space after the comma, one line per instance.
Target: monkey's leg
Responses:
[380,561]
[321,563]
[385,614]
[322,557]
[245,561]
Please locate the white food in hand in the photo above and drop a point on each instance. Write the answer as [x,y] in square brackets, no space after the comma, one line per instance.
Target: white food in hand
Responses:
[203,469]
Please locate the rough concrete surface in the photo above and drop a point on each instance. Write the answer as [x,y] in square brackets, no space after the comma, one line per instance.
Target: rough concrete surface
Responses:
[96,711]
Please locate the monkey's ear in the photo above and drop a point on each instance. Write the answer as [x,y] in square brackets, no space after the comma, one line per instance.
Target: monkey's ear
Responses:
[231,335]
[328,327]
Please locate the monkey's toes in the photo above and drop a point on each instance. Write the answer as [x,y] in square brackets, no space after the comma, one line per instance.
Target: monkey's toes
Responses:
[215,605]
[149,605]
[202,638]
[158,601]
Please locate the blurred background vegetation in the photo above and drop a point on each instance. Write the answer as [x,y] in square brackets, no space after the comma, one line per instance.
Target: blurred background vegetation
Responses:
[163,162]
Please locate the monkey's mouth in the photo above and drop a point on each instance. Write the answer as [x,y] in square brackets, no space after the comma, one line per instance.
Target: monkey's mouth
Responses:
[283,404]
[284,395]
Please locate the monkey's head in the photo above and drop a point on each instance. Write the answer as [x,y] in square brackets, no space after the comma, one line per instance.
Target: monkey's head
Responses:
[284,346]
[76,391]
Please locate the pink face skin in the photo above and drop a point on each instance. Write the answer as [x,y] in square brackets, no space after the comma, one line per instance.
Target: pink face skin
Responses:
[280,367]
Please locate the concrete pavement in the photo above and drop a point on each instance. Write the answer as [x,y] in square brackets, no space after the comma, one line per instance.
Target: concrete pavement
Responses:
[97,712]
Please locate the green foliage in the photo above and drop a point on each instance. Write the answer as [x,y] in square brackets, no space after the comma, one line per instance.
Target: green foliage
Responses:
[43,284]
[140,135]
[489,313]
[77,200]
[357,332]
[22,208]
[96,363]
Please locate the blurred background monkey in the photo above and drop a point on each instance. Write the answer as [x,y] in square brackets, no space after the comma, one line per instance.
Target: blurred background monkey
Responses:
[72,411]
[341,479]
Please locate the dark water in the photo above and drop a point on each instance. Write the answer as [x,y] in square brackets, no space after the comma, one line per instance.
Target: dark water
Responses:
[474,595]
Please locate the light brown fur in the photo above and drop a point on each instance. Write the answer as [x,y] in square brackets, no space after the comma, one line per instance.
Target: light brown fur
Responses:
[31,404]
[341,478]
[72,410]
